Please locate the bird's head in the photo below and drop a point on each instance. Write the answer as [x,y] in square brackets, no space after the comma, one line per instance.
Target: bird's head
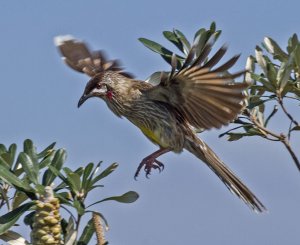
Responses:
[104,85]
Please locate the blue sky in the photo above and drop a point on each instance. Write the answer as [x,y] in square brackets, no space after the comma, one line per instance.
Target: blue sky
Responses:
[186,203]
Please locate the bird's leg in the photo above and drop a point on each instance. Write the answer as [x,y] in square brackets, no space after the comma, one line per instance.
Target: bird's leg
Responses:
[150,162]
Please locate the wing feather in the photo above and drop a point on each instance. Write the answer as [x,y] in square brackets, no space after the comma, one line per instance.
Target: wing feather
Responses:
[207,97]
[78,56]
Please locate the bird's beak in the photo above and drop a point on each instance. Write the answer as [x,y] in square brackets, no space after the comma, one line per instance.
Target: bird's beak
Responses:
[82,99]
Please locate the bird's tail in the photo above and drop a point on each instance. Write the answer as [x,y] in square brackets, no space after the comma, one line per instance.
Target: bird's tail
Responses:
[232,182]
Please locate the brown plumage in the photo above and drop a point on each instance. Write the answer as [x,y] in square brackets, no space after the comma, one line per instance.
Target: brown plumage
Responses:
[198,96]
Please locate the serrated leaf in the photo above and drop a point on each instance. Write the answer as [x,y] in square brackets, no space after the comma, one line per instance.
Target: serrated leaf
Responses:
[9,219]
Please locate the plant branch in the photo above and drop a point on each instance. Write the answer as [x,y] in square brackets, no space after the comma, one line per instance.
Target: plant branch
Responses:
[292,153]
[280,102]
[280,137]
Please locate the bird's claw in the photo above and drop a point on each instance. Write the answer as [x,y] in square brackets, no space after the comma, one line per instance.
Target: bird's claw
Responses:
[149,164]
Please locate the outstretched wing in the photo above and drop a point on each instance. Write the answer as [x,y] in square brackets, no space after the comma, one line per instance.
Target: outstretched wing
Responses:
[78,56]
[207,97]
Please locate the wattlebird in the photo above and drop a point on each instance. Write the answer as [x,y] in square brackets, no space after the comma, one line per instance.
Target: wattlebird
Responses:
[196,96]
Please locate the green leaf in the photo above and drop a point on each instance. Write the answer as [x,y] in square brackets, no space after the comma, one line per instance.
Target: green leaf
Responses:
[213,27]
[260,58]
[13,238]
[235,136]
[165,53]
[2,149]
[272,73]
[79,206]
[70,233]
[274,49]
[9,219]
[86,183]
[31,169]
[106,172]
[297,57]
[284,72]
[296,128]
[87,233]
[156,77]
[57,163]
[46,161]
[156,47]
[19,198]
[128,197]
[173,39]
[12,179]
[250,67]
[9,156]
[185,43]
[268,86]
[28,219]
[292,43]
[46,151]
[30,150]
[58,174]
[74,181]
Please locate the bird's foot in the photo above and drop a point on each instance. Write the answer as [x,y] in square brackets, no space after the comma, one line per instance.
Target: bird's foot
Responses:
[149,163]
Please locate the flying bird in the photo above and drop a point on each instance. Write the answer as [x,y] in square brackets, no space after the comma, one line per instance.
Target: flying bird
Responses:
[196,96]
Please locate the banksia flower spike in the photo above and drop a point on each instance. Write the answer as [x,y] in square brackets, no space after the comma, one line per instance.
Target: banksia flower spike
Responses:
[46,225]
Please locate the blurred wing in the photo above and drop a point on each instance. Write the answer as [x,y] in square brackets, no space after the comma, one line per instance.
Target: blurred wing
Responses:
[206,97]
[77,55]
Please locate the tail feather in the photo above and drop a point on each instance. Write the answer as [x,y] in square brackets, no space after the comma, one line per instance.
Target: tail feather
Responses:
[232,182]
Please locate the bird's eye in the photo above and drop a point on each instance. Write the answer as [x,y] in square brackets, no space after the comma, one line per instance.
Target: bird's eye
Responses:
[98,86]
